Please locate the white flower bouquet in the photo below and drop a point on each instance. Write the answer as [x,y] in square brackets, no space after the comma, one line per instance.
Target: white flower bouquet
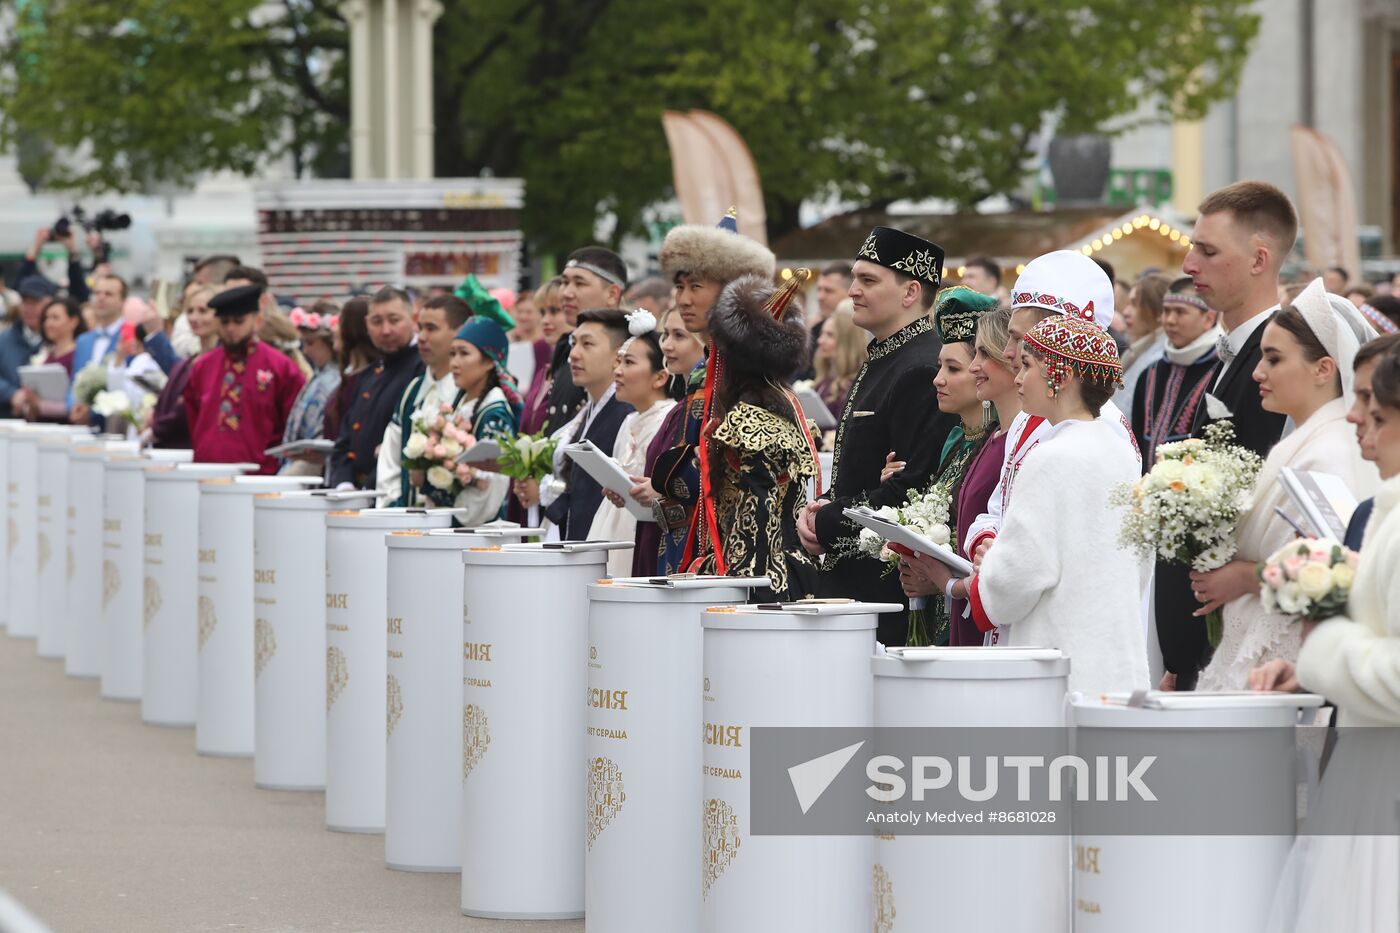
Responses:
[927,513]
[88,382]
[112,404]
[1309,579]
[527,456]
[435,440]
[1187,507]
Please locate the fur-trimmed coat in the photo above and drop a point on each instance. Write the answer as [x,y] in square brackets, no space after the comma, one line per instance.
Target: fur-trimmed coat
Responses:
[1354,660]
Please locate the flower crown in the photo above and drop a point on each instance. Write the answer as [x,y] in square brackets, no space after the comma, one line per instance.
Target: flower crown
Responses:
[310,320]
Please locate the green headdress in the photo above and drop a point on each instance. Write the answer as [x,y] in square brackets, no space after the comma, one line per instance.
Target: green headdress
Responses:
[482,303]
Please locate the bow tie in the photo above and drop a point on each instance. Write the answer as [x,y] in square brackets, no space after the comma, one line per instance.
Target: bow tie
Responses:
[1224,350]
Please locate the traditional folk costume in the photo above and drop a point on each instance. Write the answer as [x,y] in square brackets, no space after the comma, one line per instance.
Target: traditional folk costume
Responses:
[1170,392]
[1325,443]
[238,398]
[307,420]
[1069,284]
[757,453]
[1347,882]
[955,317]
[891,407]
[493,416]
[423,394]
[1056,577]
[715,254]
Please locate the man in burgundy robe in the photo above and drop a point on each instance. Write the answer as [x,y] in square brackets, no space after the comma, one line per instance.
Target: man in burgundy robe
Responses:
[240,393]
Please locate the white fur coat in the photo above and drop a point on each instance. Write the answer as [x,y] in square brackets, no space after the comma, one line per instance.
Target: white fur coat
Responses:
[1354,660]
[1056,574]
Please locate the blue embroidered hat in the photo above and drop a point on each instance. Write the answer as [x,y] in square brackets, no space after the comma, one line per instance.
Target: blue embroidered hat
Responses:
[487,336]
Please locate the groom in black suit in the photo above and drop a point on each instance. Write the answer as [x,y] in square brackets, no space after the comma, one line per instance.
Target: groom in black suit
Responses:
[1241,238]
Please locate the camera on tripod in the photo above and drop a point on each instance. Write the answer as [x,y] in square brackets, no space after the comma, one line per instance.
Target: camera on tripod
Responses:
[103,220]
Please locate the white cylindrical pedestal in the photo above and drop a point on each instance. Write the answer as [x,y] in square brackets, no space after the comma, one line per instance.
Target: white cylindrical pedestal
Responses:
[423,764]
[1218,882]
[22,597]
[780,668]
[51,544]
[169,672]
[289,637]
[936,882]
[357,576]
[123,598]
[645,786]
[224,716]
[86,634]
[525,649]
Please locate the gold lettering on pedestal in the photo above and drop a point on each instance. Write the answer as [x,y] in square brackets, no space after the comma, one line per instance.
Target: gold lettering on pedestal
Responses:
[265,576]
[206,556]
[337,675]
[396,655]
[721,835]
[152,540]
[45,551]
[45,502]
[111,581]
[1086,907]
[724,736]
[476,651]
[884,901]
[476,737]
[606,795]
[335,627]
[112,524]
[1086,859]
[72,511]
[264,644]
[607,699]
[395,708]
[337,601]
[395,626]
[208,619]
[152,600]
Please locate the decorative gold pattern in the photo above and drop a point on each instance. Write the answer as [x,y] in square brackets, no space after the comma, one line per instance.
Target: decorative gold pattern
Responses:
[151,592]
[337,676]
[750,428]
[720,839]
[111,581]
[476,737]
[45,551]
[884,901]
[12,534]
[264,645]
[208,620]
[868,250]
[921,264]
[395,708]
[606,795]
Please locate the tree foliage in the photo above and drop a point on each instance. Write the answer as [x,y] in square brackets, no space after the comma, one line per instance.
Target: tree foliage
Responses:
[867,100]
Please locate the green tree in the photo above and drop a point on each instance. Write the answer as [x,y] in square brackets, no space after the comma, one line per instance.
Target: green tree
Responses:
[868,100]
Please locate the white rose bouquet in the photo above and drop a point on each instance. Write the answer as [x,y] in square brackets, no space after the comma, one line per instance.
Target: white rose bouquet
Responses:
[927,513]
[1309,579]
[89,382]
[435,440]
[1187,507]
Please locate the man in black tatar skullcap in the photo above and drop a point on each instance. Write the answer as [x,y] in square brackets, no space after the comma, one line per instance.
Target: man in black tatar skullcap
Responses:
[891,407]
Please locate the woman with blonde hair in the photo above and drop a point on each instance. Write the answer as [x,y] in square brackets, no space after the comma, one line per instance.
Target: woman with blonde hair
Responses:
[840,355]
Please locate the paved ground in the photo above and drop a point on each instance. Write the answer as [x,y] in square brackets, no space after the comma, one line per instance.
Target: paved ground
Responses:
[108,825]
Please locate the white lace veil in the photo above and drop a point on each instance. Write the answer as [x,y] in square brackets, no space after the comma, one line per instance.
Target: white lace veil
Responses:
[1339,327]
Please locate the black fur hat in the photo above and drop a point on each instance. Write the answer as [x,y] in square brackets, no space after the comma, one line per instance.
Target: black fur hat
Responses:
[747,334]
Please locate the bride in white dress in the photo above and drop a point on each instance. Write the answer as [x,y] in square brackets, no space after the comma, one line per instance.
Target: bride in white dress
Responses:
[1306,373]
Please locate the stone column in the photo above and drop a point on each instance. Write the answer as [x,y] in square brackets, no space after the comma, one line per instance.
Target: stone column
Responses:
[357,14]
[425,14]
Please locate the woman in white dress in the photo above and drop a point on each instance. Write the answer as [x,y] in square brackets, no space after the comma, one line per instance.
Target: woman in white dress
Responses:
[642,382]
[1306,373]
[1340,876]
[1055,577]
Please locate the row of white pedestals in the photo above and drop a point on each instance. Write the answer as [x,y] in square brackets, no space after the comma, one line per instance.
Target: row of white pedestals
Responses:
[328,642]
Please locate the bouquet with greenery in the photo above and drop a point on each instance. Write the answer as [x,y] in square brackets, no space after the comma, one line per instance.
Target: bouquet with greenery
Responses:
[527,456]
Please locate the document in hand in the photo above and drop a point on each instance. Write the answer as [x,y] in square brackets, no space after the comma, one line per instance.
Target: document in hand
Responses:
[895,533]
[486,451]
[609,474]
[1324,500]
[49,381]
[296,447]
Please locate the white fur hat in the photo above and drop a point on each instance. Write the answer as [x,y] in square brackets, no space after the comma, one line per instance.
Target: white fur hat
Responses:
[1066,282]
